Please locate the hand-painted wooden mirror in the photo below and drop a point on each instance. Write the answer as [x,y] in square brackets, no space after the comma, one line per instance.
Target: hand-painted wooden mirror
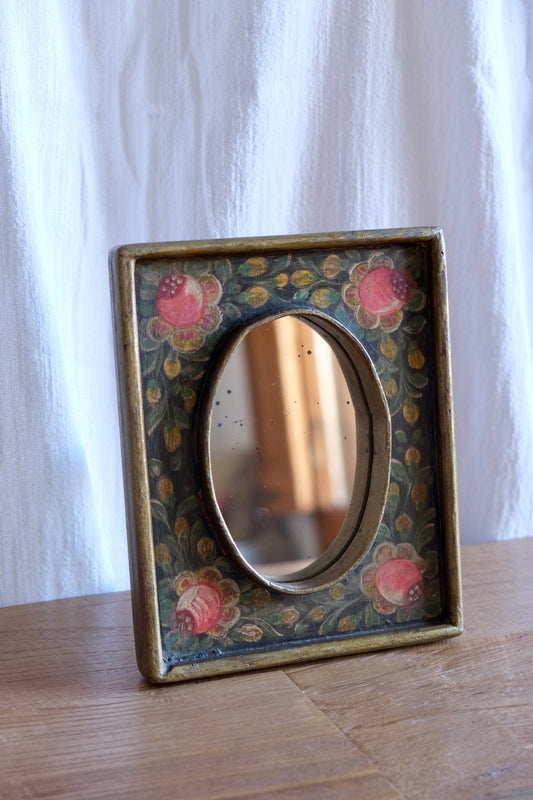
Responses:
[288,448]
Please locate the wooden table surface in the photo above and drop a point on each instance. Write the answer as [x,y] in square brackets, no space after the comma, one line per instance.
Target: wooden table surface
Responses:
[450,720]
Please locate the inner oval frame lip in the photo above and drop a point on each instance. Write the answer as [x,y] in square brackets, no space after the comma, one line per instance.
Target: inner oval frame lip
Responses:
[369,494]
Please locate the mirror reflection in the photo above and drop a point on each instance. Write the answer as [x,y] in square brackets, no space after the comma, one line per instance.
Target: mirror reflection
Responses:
[283,446]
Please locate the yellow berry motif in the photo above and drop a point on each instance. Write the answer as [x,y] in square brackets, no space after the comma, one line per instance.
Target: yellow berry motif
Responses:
[206,548]
[250,632]
[331,266]
[302,278]
[289,616]
[165,490]
[403,523]
[281,280]
[419,493]
[181,528]
[388,349]
[255,266]
[416,359]
[410,411]
[322,298]
[261,596]
[256,297]
[162,554]
[172,438]
[153,393]
[390,387]
[172,367]
[412,456]
[189,399]
[346,625]
[337,591]
[394,490]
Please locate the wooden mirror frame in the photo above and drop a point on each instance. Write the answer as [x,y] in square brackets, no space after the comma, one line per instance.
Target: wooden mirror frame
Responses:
[392,575]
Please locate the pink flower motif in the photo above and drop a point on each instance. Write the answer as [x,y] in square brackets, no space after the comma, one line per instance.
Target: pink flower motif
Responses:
[394,579]
[207,602]
[187,310]
[377,292]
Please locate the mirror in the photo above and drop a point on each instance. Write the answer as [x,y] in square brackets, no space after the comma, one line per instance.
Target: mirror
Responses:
[283,446]
[320,511]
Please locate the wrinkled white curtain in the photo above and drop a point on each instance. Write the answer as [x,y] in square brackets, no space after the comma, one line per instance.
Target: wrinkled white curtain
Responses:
[131,120]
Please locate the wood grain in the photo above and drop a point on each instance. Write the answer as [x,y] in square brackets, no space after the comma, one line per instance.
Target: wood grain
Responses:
[454,719]
[77,721]
[449,720]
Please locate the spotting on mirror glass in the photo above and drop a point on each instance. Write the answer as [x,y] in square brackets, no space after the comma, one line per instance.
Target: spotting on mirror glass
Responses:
[283,446]
[308,502]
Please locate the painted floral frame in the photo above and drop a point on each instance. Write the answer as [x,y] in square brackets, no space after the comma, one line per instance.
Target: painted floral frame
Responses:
[197,609]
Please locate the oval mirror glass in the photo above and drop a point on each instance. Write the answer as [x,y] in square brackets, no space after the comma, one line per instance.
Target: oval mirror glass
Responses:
[283,446]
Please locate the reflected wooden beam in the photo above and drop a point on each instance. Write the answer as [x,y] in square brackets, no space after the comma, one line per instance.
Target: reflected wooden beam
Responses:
[306,442]
[281,410]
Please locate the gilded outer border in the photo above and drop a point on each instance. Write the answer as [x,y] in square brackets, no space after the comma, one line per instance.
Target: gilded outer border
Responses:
[136,489]
[446,441]
[150,659]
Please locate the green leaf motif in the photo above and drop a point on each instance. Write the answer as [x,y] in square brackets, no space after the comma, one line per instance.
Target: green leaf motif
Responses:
[418,380]
[188,506]
[398,472]
[392,505]
[371,617]
[417,303]
[306,262]
[395,403]
[428,516]
[148,344]
[151,362]
[175,461]
[222,270]
[418,437]
[146,309]
[281,264]
[232,287]
[383,530]
[148,292]
[155,415]
[165,607]
[198,530]
[159,512]
[432,560]
[329,625]
[346,318]
[155,467]
[174,548]
[182,419]
[425,475]
[415,324]
[231,311]
[151,278]
[198,268]
[425,537]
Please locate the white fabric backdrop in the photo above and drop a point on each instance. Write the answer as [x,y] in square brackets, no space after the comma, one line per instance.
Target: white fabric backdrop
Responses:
[130,120]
